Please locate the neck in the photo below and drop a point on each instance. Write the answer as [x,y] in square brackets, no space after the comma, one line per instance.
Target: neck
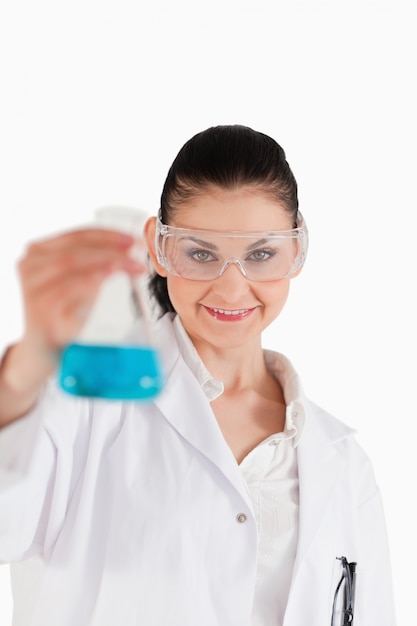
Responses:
[238,368]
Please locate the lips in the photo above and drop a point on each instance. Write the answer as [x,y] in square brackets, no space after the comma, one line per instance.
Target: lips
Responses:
[228,315]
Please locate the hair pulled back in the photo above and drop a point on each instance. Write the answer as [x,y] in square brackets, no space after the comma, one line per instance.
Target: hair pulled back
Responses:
[228,157]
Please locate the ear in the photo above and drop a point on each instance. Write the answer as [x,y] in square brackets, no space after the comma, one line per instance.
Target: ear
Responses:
[297,272]
[149,234]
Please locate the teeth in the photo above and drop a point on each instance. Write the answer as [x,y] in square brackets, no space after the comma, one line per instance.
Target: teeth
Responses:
[224,312]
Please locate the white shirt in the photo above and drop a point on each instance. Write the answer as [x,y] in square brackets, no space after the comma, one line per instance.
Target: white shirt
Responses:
[271,475]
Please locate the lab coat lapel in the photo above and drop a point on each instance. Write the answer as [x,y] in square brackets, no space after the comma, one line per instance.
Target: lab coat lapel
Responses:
[184,404]
[320,467]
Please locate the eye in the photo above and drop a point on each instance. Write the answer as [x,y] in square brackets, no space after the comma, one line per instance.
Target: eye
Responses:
[263,254]
[200,255]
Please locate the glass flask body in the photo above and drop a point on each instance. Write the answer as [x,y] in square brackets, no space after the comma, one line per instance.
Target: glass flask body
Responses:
[116,355]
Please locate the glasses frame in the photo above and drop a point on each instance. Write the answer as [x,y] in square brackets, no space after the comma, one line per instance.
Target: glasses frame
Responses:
[349,579]
[300,233]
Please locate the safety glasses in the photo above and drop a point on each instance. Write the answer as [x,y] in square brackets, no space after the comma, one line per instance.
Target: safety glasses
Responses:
[206,254]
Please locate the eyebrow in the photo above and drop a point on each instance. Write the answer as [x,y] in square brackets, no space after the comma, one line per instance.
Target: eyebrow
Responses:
[258,243]
[212,246]
[201,242]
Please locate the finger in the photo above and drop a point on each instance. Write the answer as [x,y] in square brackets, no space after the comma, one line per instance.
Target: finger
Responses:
[83,237]
[59,313]
[44,270]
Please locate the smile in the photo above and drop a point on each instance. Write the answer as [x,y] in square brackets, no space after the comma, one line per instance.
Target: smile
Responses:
[225,312]
[228,315]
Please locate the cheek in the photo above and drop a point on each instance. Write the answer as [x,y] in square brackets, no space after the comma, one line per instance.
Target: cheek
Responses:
[183,292]
[275,295]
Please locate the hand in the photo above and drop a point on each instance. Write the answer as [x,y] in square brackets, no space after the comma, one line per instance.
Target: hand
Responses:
[61,277]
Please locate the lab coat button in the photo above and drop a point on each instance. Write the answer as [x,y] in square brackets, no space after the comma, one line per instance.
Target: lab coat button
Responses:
[241,518]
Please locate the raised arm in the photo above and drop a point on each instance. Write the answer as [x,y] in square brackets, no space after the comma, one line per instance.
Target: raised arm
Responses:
[60,279]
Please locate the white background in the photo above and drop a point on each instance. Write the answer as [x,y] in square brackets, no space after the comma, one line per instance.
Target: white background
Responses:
[98,97]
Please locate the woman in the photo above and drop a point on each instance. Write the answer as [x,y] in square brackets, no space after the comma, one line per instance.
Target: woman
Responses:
[231,500]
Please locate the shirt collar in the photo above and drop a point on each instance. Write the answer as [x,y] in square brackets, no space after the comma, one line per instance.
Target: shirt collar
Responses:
[283,371]
[279,366]
[211,387]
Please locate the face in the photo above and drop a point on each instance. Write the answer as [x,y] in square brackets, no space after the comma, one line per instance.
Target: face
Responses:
[229,311]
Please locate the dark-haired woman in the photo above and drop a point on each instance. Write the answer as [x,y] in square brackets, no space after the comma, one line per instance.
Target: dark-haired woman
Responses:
[231,500]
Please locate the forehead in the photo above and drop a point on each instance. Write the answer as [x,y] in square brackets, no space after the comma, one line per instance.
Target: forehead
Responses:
[243,209]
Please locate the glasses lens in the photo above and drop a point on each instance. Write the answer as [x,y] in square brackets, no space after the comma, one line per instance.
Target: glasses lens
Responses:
[200,256]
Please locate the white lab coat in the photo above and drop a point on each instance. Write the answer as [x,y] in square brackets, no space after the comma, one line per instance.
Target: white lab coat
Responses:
[129,513]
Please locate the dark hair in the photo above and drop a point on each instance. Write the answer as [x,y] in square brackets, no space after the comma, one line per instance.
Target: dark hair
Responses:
[228,157]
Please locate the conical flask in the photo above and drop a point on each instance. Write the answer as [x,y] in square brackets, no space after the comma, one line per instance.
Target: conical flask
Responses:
[116,355]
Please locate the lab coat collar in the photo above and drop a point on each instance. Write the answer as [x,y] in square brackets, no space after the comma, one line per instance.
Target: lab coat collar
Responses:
[184,404]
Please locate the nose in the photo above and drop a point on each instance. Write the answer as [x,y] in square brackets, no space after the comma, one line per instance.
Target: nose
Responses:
[236,262]
[232,284]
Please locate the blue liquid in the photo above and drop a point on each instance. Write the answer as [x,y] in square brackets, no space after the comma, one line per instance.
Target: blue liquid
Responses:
[112,372]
